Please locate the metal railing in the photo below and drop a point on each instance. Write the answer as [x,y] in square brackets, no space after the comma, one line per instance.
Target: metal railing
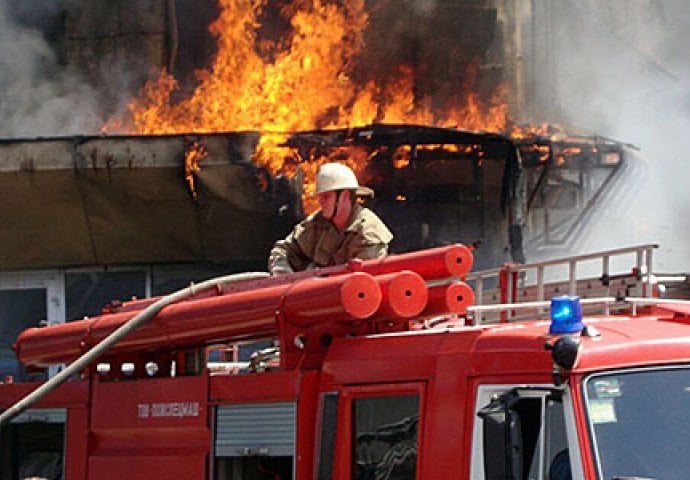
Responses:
[606,301]
[512,279]
[645,301]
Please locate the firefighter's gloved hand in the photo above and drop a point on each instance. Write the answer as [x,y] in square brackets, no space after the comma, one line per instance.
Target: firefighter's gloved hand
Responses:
[281,270]
[278,263]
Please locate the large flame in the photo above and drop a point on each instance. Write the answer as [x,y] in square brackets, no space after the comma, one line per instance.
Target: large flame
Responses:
[300,82]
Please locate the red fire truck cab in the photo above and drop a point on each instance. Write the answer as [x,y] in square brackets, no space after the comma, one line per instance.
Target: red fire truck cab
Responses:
[322,382]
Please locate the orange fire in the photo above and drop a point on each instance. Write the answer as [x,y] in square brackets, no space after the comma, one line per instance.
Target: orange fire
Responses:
[195,151]
[304,82]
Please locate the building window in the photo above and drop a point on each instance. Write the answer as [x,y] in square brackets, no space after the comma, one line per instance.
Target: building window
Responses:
[19,309]
[86,293]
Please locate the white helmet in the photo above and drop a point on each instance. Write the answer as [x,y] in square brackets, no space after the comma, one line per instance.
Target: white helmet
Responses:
[336,176]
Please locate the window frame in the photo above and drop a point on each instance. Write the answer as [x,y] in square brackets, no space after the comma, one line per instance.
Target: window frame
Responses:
[484,395]
[342,464]
[53,283]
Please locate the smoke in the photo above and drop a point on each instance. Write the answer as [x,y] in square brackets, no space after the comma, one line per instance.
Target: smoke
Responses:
[617,68]
[38,95]
[621,69]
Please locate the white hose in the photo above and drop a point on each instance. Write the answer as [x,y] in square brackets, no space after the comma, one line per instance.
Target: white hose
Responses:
[125,329]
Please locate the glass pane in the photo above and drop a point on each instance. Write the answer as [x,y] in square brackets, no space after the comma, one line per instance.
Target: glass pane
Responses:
[88,292]
[385,437]
[639,421]
[557,454]
[529,415]
[19,309]
[327,447]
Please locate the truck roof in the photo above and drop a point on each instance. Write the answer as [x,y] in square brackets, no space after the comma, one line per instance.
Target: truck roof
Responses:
[657,335]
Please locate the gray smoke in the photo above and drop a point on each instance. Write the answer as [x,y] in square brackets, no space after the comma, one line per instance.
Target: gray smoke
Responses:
[38,97]
[621,69]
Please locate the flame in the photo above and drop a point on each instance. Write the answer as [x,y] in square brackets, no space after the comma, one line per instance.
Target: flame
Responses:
[449,147]
[194,152]
[574,150]
[520,132]
[297,89]
[302,81]
[401,156]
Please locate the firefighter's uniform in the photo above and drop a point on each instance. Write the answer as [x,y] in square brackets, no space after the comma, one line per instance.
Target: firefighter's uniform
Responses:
[316,242]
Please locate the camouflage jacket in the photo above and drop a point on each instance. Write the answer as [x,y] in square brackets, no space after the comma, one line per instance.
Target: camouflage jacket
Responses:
[316,242]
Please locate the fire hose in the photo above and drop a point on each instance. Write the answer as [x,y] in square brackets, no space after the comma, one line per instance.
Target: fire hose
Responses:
[135,322]
[374,296]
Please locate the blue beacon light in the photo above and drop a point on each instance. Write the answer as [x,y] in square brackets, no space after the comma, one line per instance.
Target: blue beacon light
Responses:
[566,315]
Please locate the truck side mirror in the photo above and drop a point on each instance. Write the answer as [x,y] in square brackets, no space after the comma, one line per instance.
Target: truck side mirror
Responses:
[502,441]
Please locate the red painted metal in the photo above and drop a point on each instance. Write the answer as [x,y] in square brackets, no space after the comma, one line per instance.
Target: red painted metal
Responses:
[131,429]
[444,368]
[164,427]
[431,264]
[503,287]
[305,300]
[451,298]
[248,314]
[331,299]
[404,295]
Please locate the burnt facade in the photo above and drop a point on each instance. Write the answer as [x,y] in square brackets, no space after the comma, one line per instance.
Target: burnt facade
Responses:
[75,202]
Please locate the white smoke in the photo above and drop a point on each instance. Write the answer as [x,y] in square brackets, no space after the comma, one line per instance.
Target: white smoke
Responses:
[37,96]
[621,69]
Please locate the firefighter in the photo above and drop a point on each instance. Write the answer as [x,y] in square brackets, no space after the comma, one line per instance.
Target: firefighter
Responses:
[342,229]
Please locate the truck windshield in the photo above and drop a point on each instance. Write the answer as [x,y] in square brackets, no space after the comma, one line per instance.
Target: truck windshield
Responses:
[640,421]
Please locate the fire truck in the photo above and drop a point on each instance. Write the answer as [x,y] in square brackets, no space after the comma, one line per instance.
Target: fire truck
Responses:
[409,366]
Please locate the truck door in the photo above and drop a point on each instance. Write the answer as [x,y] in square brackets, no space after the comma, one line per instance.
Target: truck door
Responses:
[522,433]
[377,433]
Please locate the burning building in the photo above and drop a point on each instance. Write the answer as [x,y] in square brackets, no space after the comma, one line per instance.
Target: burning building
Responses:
[195,169]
